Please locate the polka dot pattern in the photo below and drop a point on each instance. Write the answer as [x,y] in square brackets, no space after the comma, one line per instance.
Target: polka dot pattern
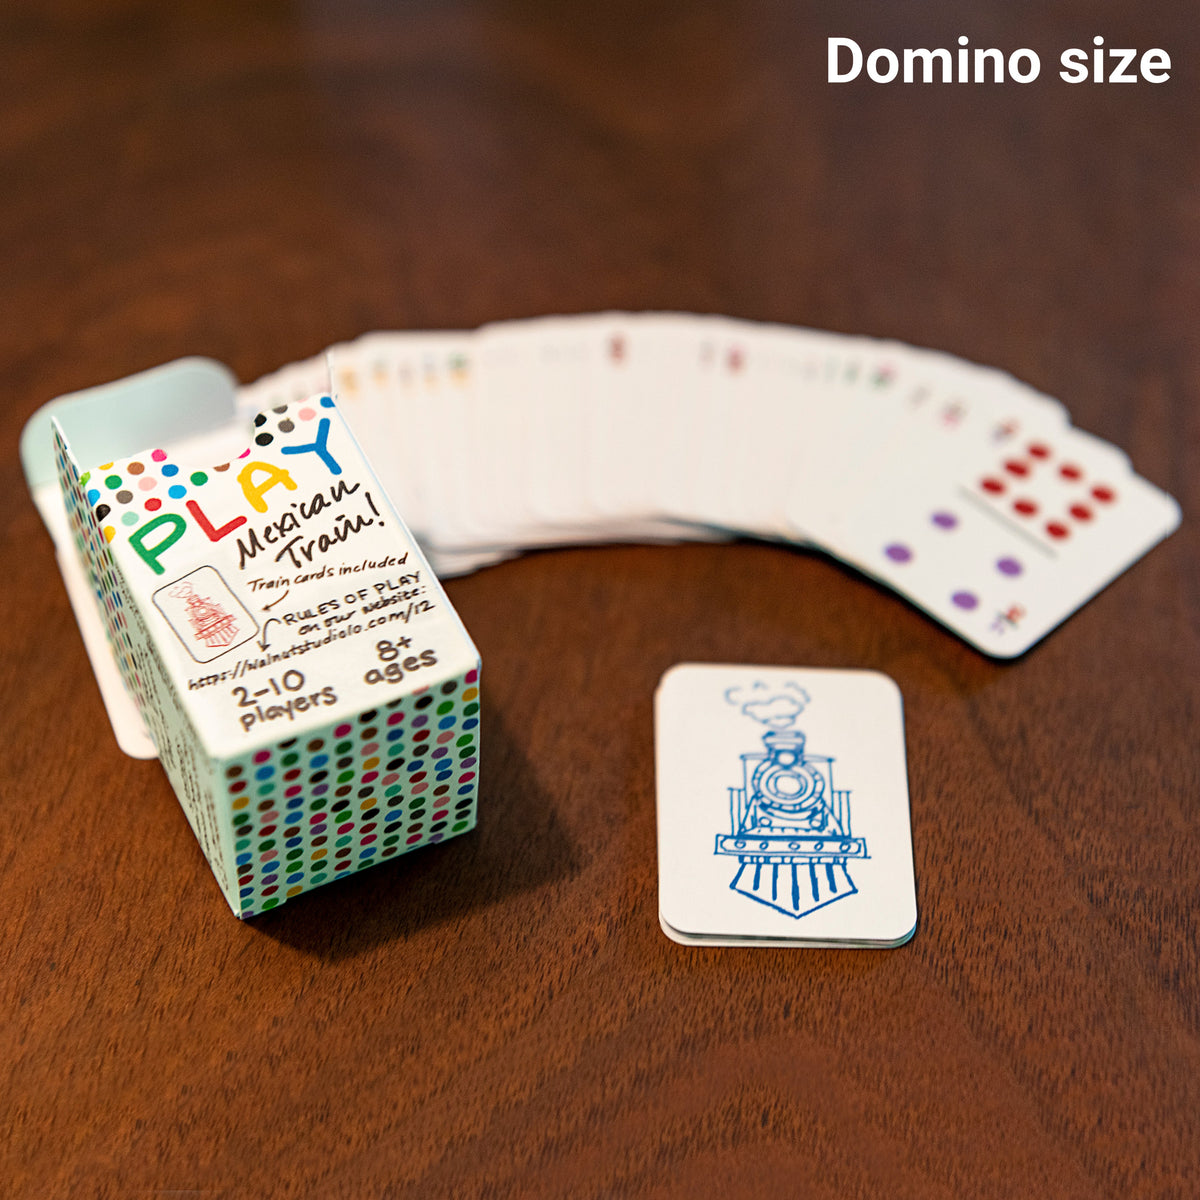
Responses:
[1069,498]
[314,809]
[945,522]
[122,495]
[126,495]
[92,528]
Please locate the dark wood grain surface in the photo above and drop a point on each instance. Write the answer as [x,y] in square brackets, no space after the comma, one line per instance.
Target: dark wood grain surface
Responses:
[501,1016]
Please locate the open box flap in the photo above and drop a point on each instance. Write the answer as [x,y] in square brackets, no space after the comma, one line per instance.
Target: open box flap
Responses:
[192,398]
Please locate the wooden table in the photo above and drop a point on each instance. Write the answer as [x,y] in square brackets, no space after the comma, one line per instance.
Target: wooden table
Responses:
[501,1015]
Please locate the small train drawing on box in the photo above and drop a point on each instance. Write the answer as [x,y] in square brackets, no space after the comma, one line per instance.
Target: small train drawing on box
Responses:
[210,623]
[205,614]
[789,826]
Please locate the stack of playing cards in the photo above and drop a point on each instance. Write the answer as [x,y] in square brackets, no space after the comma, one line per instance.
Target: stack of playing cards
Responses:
[962,489]
[782,808]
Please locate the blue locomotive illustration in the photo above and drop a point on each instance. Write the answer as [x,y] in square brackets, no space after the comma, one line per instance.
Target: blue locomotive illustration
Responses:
[790,827]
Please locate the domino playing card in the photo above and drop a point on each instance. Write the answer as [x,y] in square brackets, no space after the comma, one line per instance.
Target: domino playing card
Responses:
[1001,547]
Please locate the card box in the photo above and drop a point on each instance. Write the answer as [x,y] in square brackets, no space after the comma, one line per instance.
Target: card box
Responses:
[311,693]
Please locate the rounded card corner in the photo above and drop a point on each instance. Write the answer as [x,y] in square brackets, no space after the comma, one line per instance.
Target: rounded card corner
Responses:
[679,668]
[671,932]
[883,677]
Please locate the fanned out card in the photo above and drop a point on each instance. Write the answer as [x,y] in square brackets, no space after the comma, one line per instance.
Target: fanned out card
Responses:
[783,815]
[964,490]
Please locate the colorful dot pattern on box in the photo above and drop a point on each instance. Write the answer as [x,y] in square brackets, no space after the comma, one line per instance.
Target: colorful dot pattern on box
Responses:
[121,495]
[319,807]
[92,547]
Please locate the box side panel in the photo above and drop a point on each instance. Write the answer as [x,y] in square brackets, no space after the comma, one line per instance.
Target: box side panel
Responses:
[193,775]
[91,537]
[145,676]
[319,807]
